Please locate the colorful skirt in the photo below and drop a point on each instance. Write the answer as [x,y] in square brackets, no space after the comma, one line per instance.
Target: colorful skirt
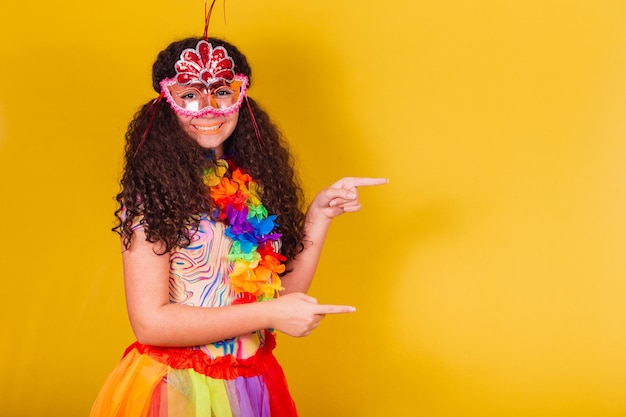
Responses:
[155,381]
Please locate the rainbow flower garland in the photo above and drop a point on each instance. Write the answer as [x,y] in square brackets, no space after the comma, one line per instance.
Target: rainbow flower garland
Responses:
[238,204]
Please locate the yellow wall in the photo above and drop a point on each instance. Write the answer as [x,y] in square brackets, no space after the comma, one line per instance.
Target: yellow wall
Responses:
[489,274]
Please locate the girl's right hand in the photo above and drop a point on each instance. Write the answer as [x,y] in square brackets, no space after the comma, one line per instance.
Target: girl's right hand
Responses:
[298,314]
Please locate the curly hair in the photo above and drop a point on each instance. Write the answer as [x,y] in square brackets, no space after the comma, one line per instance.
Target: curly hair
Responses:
[162,185]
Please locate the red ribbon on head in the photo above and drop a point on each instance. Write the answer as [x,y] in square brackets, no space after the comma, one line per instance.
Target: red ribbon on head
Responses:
[257,131]
[207,17]
[150,112]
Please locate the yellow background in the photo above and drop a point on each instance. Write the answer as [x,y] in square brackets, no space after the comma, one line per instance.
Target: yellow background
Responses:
[489,274]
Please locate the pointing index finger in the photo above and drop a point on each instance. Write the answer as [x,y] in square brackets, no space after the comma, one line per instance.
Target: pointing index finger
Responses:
[334,309]
[363,181]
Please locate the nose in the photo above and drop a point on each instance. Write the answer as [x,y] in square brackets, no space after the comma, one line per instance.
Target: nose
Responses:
[205,100]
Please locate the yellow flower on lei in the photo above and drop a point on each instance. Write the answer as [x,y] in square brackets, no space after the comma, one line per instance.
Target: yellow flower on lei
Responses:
[258,280]
[215,174]
[254,191]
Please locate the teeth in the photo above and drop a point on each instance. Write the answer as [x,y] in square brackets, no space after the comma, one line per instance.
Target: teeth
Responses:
[207,128]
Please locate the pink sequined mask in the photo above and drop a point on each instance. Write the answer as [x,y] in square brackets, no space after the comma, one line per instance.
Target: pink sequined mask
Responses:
[205,83]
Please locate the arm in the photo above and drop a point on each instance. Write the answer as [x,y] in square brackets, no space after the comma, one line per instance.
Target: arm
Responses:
[156,321]
[341,197]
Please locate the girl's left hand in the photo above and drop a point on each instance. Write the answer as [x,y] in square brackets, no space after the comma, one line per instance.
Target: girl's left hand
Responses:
[341,197]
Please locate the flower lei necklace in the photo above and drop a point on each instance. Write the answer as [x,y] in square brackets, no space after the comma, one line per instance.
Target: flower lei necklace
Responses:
[237,202]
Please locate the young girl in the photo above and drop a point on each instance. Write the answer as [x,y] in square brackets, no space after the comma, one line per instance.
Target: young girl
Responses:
[217,253]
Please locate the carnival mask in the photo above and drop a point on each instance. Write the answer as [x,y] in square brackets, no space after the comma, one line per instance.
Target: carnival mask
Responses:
[205,83]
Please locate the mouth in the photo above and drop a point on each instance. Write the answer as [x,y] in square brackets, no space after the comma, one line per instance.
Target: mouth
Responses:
[209,129]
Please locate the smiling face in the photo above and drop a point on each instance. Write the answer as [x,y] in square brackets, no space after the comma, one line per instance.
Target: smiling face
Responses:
[208,114]
[210,132]
[206,94]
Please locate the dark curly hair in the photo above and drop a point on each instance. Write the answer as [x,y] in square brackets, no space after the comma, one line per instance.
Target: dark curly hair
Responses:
[162,179]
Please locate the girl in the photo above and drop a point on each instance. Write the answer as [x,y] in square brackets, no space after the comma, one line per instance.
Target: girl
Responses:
[217,253]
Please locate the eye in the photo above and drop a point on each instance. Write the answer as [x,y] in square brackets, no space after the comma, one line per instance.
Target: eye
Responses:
[188,95]
[223,92]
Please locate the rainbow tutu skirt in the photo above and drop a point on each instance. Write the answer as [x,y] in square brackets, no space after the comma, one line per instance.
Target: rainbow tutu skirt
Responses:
[155,381]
